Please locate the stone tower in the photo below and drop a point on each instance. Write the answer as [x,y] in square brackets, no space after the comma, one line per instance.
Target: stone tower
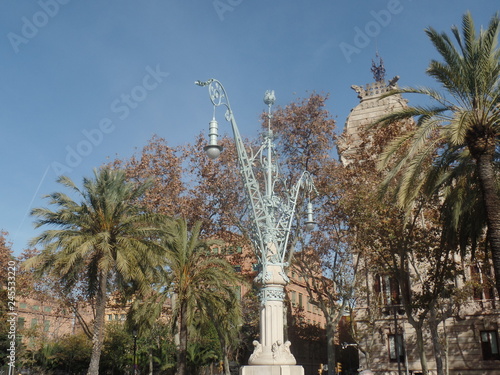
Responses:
[371,107]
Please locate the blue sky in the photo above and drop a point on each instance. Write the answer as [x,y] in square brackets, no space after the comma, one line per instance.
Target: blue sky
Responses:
[83,82]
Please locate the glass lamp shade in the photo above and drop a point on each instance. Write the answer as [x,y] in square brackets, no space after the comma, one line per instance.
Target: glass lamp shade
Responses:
[213,151]
[310,225]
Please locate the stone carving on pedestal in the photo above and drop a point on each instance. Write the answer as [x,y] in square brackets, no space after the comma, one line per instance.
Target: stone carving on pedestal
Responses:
[281,350]
[257,351]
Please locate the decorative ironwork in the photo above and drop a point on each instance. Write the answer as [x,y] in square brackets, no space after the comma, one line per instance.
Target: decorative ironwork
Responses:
[272,213]
[378,70]
[271,294]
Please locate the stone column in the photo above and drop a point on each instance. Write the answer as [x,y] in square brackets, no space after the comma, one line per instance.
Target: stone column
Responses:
[272,355]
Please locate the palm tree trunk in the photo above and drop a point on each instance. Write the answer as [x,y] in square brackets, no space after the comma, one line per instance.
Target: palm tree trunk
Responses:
[183,340]
[151,361]
[492,205]
[98,335]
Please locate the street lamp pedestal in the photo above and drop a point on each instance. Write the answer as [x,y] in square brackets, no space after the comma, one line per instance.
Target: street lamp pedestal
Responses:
[272,370]
[272,354]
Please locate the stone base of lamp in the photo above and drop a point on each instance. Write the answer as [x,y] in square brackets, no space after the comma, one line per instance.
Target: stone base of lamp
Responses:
[272,370]
[274,360]
[278,354]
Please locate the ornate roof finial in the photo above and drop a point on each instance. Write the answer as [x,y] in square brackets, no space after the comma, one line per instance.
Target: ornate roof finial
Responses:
[378,70]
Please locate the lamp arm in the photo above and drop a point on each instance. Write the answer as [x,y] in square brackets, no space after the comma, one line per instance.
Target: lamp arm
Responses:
[305,181]
[219,97]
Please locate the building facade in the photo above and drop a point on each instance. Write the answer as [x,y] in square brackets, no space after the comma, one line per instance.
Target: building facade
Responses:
[386,339]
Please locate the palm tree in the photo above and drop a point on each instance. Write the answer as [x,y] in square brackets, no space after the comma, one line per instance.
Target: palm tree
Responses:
[105,237]
[457,136]
[201,283]
[227,318]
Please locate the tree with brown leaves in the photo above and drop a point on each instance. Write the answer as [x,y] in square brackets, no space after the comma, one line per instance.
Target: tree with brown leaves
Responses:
[409,247]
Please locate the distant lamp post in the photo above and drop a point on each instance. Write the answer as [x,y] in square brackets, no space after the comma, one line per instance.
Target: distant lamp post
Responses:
[272,213]
[134,333]
[398,349]
[346,345]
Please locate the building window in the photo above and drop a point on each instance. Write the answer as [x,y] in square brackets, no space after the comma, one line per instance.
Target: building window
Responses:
[387,290]
[47,309]
[46,325]
[294,297]
[20,322]
[300,300]
[237,292]
[34,322]
[483,288]
[237,269]
[489,345]
[396,347]
[230,250]
[23,305]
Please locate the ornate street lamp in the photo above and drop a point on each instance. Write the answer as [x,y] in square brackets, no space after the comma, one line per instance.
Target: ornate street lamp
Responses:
[272,214]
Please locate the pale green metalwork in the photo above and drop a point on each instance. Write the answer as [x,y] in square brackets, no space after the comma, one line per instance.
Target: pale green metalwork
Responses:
[272,213]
